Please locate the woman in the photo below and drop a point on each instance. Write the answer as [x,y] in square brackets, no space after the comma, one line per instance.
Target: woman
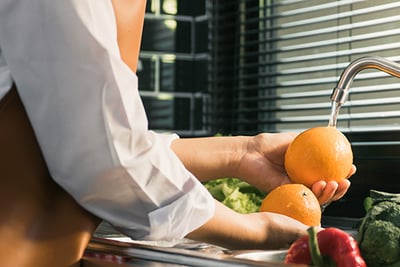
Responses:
[74,65]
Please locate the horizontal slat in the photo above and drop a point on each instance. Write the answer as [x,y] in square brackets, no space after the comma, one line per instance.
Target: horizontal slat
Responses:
[296,11]
[319,93]
[333,7]
[317,118]
[311,69]
[341,53]
[326,105]
[309,82]
[339,28]
[371,129]
[319,68]
[334,42]
[382,143]
[346,14]
[370,115]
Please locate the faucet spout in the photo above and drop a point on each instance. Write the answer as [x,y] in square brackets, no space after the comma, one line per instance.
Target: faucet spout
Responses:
[340,93]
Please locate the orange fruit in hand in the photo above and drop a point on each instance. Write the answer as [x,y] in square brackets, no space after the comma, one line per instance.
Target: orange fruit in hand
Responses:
[320,153]
[294,200]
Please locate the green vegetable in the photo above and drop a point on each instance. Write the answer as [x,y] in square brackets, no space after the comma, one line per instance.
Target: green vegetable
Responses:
[236,194]
[379,233]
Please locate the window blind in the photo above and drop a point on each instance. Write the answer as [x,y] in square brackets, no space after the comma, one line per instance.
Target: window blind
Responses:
[274,64]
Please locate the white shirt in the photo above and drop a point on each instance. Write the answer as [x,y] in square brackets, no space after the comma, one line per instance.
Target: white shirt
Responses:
[85,108]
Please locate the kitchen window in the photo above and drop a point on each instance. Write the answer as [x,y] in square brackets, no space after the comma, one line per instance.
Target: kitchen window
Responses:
[273,66]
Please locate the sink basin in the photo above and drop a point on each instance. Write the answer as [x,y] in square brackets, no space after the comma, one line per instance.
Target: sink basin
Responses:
[267,255]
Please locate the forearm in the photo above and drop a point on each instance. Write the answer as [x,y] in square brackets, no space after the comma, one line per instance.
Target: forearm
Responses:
[230,230]
[211,157]
[261,230]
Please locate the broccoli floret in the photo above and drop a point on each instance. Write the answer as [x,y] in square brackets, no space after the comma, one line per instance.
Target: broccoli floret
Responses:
[379,232]
[387,211]
[380,245]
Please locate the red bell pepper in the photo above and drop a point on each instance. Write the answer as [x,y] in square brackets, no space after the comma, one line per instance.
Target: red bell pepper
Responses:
[329,247]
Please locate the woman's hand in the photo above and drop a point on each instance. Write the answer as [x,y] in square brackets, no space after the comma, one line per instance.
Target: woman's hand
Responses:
[262,162]
[262,165]
[281,231]
[327,192]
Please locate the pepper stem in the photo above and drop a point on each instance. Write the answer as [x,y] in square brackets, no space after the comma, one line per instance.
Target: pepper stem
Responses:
[316,256]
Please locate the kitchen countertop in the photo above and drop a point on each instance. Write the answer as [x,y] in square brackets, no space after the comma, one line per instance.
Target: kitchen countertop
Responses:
[109,248]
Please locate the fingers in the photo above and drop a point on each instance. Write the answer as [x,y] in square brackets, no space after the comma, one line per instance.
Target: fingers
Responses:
[343,186]
[327,192]
[352,171]
[324,191]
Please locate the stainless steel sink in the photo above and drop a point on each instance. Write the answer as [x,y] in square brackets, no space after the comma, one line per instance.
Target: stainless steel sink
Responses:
[277,256]
[192,253]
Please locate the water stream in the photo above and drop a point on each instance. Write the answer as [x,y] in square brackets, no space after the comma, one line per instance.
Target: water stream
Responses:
[335,107]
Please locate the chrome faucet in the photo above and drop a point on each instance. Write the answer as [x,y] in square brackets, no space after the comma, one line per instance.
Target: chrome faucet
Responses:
[340,93]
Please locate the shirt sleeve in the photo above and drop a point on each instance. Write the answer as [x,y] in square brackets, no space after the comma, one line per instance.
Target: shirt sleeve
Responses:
[87,113]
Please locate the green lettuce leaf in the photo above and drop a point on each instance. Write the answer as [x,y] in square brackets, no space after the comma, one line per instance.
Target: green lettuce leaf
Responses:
[236,194]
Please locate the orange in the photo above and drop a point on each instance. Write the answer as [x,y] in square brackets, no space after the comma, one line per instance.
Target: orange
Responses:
[319,153]
[294,200]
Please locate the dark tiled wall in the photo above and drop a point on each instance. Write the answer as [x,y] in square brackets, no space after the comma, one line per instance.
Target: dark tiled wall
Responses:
[173,66]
